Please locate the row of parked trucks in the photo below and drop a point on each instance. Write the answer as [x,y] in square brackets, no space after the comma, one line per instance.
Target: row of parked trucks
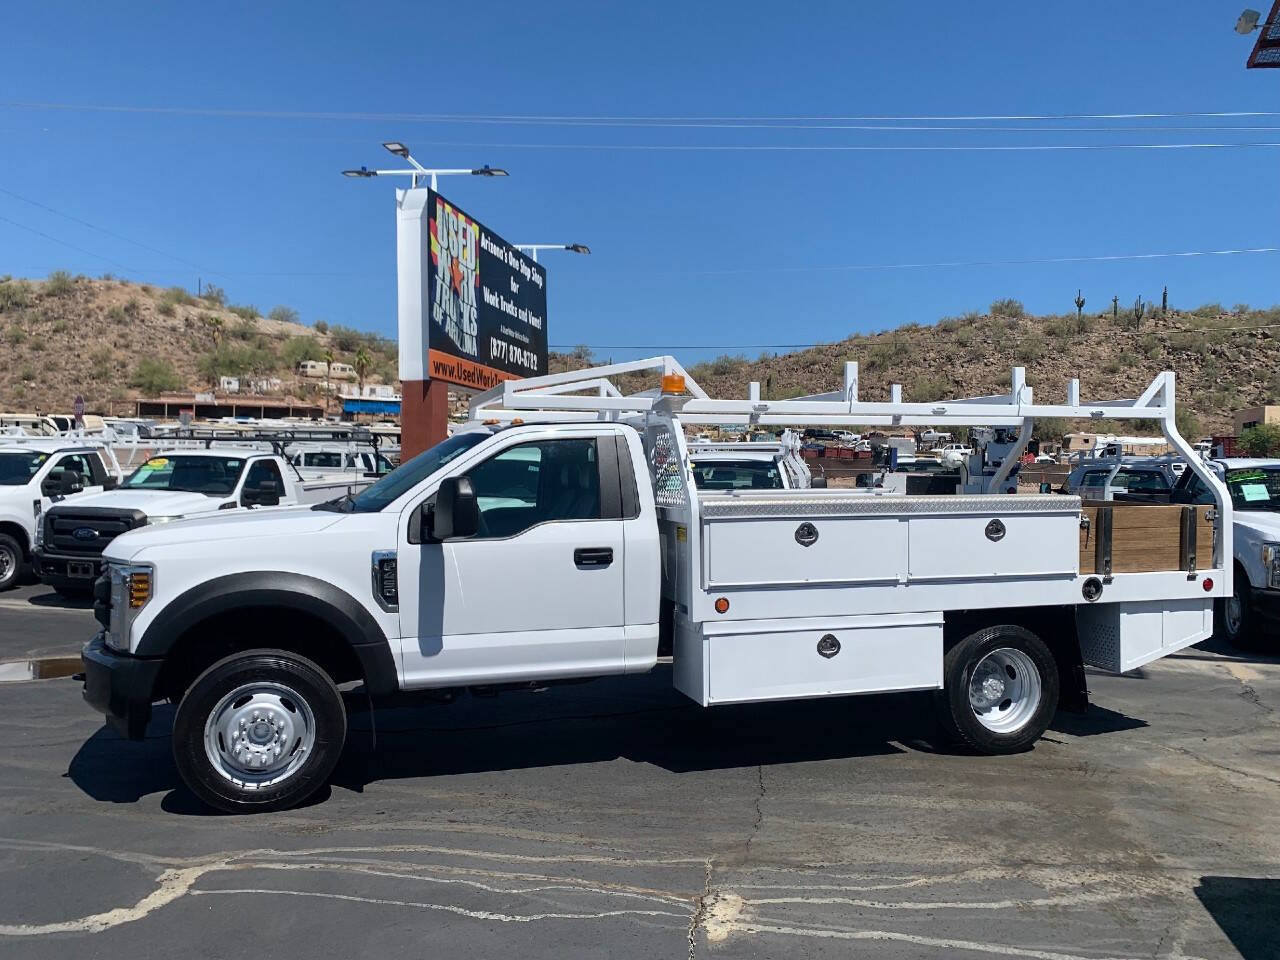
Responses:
[564,534]
[63,499]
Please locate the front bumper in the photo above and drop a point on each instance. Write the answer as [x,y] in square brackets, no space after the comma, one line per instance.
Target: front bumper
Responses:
[52,569]
[120,685]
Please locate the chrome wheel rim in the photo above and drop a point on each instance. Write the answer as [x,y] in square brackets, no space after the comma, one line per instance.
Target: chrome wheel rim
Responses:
[259,734]
[8,564]
[1233,610]
[1005,690]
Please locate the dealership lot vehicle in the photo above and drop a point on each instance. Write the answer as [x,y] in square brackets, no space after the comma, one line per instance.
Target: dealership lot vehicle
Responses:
[751,465]
[172,485]
[33,473]
[251,621]
[1250,616]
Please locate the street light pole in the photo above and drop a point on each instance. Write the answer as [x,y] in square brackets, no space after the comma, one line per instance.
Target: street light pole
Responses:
[533,248]
[424,407]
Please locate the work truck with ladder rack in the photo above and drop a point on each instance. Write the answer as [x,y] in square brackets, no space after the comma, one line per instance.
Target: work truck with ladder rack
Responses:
[561,535]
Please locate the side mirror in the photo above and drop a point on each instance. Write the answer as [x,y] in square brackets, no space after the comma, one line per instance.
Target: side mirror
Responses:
[110,483]
[818,483]
[457,511]
[61,483]
[265,494]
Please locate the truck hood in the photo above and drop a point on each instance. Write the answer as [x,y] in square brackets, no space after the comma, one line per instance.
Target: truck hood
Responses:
[1264,523]
[154,503]
[241,524]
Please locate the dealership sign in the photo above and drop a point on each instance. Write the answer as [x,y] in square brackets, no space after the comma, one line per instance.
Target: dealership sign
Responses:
[473,308]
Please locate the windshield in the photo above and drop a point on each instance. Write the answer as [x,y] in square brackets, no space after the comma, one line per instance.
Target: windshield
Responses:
[408,475]
[17,469]
[737,475]
[209,475]
[1255,488]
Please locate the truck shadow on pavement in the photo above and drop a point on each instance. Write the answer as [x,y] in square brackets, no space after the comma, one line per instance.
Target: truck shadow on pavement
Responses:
[1247,909]
[643,720]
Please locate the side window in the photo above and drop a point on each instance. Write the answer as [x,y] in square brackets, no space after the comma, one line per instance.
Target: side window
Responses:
[261,470]
[538,482]
[1195,491]
[1140,481]
[80,464]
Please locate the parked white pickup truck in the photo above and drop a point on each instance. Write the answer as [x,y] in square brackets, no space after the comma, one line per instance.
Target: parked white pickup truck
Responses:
[33,472]
[561,536]
[1250,616]
[168,486]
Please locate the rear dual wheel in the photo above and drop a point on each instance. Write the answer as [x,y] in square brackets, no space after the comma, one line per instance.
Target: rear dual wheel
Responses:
[260,730]
[1000,690]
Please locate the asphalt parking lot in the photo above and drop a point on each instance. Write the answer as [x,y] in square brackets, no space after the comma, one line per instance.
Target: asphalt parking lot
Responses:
[616,819]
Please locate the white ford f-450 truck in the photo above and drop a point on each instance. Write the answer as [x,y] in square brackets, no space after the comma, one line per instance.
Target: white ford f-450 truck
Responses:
[561,536]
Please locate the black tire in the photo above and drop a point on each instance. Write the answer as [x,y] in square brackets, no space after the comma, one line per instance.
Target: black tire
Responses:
[12,560]
[956,712]
[1240,632]
[271,670]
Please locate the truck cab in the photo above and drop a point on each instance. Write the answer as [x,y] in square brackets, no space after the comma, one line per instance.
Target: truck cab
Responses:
[169,486]
[34,473]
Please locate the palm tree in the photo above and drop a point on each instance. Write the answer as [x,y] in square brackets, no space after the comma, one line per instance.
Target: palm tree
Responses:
[328,367]
[362,364]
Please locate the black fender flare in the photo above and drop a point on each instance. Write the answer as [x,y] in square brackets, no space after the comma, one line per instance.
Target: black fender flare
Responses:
[290,591]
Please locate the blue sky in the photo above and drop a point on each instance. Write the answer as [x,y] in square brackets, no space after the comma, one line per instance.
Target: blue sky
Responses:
[721,249]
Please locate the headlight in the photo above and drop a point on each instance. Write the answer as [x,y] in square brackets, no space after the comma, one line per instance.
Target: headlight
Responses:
[1271,564]
[132,586]
[37,507]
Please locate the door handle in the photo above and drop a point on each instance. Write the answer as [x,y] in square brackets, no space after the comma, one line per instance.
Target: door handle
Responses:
[593,556]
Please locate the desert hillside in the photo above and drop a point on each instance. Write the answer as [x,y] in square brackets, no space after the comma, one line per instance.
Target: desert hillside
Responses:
[1225,359]
[112,341]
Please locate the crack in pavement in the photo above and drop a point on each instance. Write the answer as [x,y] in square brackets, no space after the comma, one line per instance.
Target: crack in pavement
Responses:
[755,826]
[699,912]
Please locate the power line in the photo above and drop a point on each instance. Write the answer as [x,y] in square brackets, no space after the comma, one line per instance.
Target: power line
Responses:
[1103,258]
[553,119]
[104,230]
[856,148]
[65,243]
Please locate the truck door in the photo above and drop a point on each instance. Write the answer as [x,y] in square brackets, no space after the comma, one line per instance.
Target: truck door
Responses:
[538,591]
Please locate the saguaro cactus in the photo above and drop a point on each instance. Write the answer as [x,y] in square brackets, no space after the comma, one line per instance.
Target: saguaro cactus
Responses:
[1138,309]
[1079,302]
[1164,301]
[1115,308]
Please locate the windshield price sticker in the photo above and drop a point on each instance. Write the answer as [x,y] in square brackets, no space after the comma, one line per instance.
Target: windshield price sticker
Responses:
[157,463]
[1255,491]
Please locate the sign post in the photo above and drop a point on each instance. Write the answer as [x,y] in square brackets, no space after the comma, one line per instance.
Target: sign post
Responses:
[472,312]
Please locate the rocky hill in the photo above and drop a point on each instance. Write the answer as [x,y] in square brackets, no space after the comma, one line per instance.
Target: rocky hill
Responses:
[1224,359]
[112,341]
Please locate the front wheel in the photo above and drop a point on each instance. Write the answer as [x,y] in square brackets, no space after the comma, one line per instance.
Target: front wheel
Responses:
[260,730]
[10,561]
[1233,616]
[1000,690]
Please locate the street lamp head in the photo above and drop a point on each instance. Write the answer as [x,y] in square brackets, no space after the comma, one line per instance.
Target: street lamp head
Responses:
[396,147]
[1248,22]
[488,171]
[578,248]
[362,172]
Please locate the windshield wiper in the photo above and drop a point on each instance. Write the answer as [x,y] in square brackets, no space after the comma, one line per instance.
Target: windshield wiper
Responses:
[343,504]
